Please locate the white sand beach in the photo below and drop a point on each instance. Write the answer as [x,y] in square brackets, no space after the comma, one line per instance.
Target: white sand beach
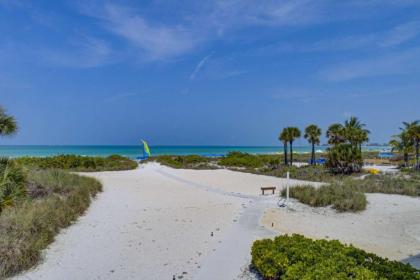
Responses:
[155,222]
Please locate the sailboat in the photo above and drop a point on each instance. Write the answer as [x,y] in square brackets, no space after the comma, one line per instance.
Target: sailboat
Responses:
[146,151]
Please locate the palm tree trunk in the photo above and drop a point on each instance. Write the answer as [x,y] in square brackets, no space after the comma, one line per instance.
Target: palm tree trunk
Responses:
[291,153]
[405,159]
[285,153]
[313,154]
[417,154]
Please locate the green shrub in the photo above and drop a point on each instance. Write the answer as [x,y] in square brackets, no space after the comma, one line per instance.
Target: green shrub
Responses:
[238,159]
[79,163]
[344,159]
[188,161]
[296,257]
[12,183]
[29,226]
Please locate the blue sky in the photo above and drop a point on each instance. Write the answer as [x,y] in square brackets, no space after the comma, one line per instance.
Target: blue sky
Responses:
[228,72]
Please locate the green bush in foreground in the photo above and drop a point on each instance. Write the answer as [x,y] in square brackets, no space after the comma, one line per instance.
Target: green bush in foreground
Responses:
[296,257]
[340,197]
[55,199]
[79,163]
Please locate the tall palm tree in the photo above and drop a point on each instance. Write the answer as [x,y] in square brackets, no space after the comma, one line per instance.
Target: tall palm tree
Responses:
[8,125]
[402,143]
[312,134]
[413,132]
[335,134]
[293,133]
[284,138]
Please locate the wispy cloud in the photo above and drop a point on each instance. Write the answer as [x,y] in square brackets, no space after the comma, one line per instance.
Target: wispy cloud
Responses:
[390,64]
[155,40]
[199,66]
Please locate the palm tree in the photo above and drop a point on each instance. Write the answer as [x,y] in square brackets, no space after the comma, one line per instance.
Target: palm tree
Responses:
[335,134]
[403,144]
[355,132]
[8,125]
[284,138]
[293,133]
[312,134]
[413,132]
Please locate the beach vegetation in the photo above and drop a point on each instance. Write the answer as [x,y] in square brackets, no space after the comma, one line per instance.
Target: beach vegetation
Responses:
[186,162]
[341,197]
[293,134]
[403,144]
[345,152]
[12,183]
[79,163]
[284,138]
[312,134]
[52,200]
[348,194]
[297,257]
[8,124]
[412,132]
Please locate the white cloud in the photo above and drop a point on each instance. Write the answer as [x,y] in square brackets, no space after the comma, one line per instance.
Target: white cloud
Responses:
[157,41]
[199,66]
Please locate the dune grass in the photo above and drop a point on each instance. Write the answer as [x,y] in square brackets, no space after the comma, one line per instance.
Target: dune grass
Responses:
[339,196]
[349,194]
[79,163]
[54,200]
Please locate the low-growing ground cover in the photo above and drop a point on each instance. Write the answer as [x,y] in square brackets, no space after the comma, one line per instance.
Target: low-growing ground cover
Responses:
[36,204]
[79,163]
[297,257]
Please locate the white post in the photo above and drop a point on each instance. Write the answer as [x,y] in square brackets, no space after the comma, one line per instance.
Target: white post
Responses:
[287,186]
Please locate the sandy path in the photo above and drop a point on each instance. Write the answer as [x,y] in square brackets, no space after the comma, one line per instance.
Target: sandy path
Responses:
[155,222]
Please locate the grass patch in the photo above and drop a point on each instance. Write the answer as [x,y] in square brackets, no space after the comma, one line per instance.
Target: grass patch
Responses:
[79,163]
[297,257]
[339,196]
[54,199]
[389,184]
[348,194]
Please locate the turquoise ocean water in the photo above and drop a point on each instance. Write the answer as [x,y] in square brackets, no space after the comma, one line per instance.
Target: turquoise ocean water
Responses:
[134,151]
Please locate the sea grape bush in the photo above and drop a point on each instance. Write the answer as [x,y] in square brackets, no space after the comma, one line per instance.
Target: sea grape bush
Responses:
[297,257]
[79,163]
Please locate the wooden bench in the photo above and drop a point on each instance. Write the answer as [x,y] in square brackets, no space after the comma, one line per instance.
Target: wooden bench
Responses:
[267,189]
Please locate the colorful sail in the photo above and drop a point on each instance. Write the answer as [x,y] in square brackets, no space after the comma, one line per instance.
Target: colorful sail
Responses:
[146,148]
